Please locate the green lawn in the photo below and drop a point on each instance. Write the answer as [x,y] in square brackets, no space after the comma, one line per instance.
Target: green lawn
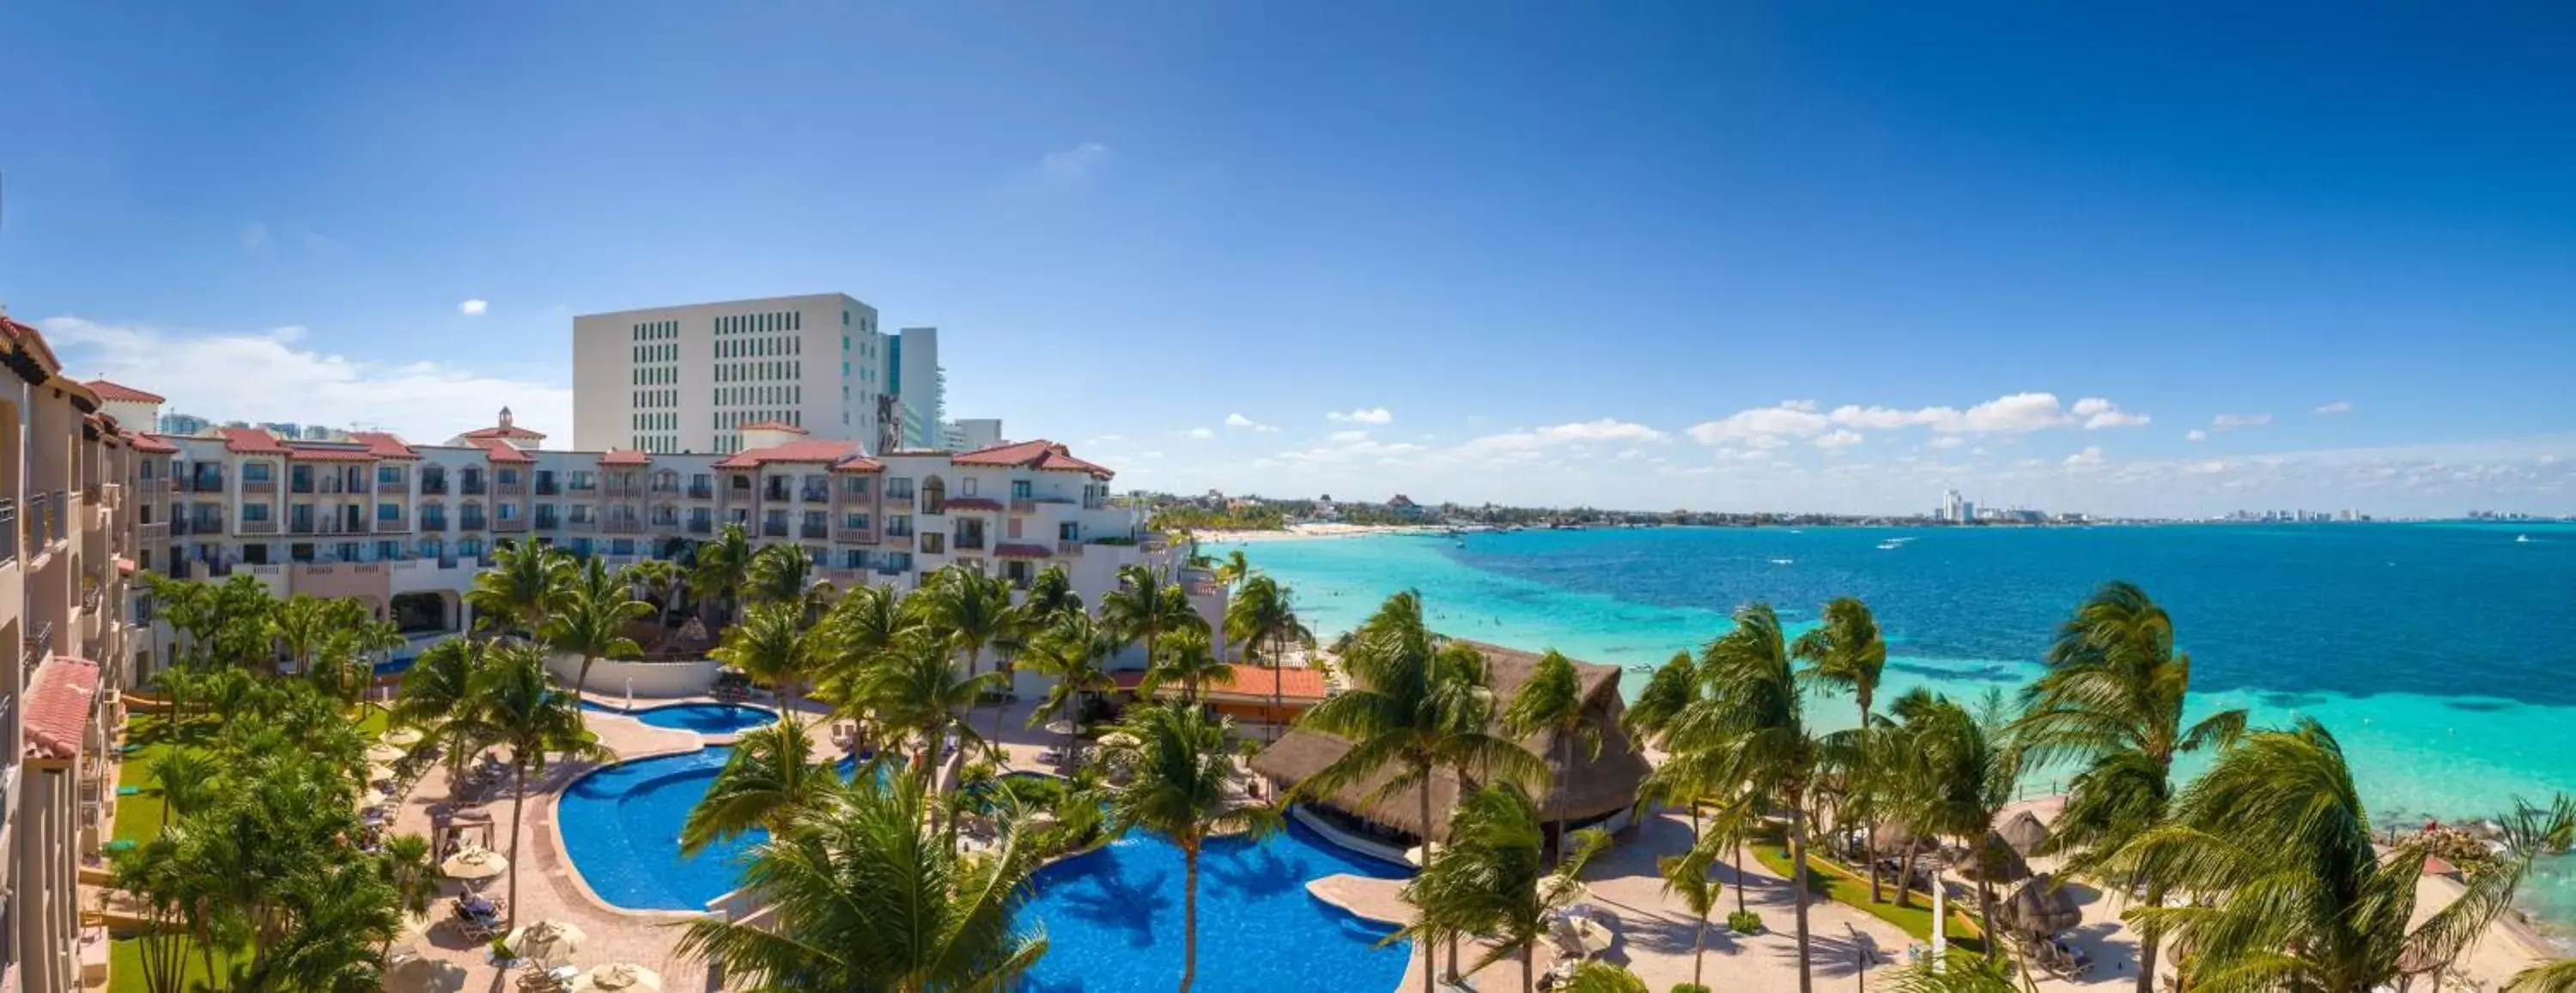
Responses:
[125,967]
[1834,882]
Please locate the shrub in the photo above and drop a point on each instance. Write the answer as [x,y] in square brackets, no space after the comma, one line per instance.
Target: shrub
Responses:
[1689,988]
[1744,922]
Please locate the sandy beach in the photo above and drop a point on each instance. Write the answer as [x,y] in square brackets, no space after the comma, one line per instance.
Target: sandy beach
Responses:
[1312,531]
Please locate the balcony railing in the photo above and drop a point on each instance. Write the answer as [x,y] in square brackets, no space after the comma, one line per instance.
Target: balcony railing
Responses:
[471,523]
[472,486]
[777,493]
[853,534]
[433,523]
[332,526]
[700,525]
[621,488]
[818,494]
[548,522]
[814,530]
[666,486]
[898,540]
[39,646]
[584,524]
[623,525]
[394,526]
[198,525]
[548,487]
[1068,547]
[968,543]
[263,486]
[433,486]
[774,529]
[702,492]
[8,529]
[268,526]
[159,531]
[580,488]
[510,524]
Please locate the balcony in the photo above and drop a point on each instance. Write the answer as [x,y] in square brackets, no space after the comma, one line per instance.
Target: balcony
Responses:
[1068,547]
[702,492]
[38,646]
[332,526]
[44,523]
[267,526]
[198,525]
[472,486]
[1031,505]
[395,526]
[968,543]
[8,529]
[514,487]
[264,487]
[893,540]
[813,530]
[701,525]
[818,494]
[152,532]
[433,486]
[549,522]
[776,494]
[179,484]
[773,529]
[854,535]
[471,523]
[546,486]
[621,488]
[666,486]
[433,523]
[582,488]
[622,525]
[584,525]
[512,525]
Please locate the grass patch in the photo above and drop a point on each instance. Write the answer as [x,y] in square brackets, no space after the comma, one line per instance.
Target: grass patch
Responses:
[125,967]
[1841,885]
[138,817]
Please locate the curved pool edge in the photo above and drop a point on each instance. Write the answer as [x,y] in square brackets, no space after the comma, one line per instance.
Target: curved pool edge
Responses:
[551,819]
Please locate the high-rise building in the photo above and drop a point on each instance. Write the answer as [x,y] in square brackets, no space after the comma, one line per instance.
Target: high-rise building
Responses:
[968,434]
[182,424]
[690,378]
[1954,508]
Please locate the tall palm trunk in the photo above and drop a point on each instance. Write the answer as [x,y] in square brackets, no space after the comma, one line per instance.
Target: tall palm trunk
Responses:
[1277,703]
[1529,969]
[1190,916]
[1905,876]
[1430,950]
[581,684]
[2148,940]
[1699,950]
[1739,873]
[518,803]
[1798,882]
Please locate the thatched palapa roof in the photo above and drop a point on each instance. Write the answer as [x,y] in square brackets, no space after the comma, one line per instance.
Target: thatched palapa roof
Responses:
[2040,908]
[1589,788]
[2024,833]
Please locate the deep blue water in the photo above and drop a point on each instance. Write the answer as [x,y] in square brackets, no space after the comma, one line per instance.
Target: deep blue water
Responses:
[1113,919]
[704,718]
[621,826]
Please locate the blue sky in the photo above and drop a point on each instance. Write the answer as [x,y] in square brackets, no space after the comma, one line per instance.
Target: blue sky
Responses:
[1573,254]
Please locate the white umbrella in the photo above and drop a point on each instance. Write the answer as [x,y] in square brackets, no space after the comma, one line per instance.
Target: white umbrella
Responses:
[1059,727]
[546,944]
[403,737]
[417,974]
[379,773]
[383,752]
[1581,937]
[620,977]
[474,863]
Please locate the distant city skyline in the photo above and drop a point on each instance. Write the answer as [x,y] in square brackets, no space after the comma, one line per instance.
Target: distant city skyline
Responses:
[1726,257]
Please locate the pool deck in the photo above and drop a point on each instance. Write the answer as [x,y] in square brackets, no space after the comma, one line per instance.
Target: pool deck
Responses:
[550,889]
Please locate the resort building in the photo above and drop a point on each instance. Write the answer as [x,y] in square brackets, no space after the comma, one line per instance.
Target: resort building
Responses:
[1593,790]
[691,378]
[73,485]
[1263,701]
[404,528]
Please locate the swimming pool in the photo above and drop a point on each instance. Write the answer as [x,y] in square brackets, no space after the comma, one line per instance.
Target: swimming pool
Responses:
[704,718]
[1112,917]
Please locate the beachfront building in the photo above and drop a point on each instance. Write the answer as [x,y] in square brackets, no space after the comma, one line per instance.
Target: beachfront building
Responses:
[1593,790]
[690,378]
[404,528]
[71,493]
[1263,701]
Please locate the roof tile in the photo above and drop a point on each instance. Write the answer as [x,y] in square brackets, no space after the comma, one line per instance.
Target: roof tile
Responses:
[250,441]
[58,707]
[119,391]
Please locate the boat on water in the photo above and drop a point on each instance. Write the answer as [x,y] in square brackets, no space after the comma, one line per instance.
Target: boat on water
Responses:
[1783,561]
[1889,546]
[2522,539]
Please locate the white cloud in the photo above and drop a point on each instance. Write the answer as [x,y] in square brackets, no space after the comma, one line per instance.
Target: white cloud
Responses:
[1948,441]
[1372,415]
[1793,419]
[1077,162]
[2090,456]
[1201,434]
[2014,414]
[1359,435]
[2230,422]
[473,308]
[1240,421]
[1840,438]
[2100,413]
[2195,434]
[276,376]
[2337,407]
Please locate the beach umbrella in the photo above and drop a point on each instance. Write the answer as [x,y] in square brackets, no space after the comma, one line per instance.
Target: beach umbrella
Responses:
[384,752]
[619,977]
[2040,908]
[547,944]
[1890,839]
[403,737]
[379,773]
[2024,833]
[1995,861]
[1580,937]
[419,974]
[474,863]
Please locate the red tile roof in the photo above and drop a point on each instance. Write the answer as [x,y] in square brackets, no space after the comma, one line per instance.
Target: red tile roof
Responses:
[124,565]
[772,426]
[58,707]
[858,463]
[497,450]
[250,441]
[513,431]
[384,445]
[974,503]
[119,391]
[1039,454]
[1253,682]
[34,341]
[814,450]
[147,442]
[625,456]
[1010,550]
[330,453]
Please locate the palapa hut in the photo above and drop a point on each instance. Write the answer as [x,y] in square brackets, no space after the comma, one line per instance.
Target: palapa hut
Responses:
[2039,909]
[2024,833]
[1592,791]
[1995,861]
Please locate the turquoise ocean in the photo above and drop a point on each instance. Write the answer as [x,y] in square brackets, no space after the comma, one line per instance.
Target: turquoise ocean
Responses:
[2443,656]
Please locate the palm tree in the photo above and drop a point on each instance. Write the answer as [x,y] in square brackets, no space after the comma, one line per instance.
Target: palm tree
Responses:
[1234,568]
[303,622]
[1492,878]
[1962,776]
[2113,699]
[973,611]
[1178,771]
[1186,658]
[1260,616]
[438,697]
[1070,652]
[1845,652]
[723,568]
[838,919]
[784,574]
[520,706]
[1145,607]
[1748,728]
[410,872]
[1399,715]
[1551,701]
[591,622]
[1686,876]
[1601,977]
[1051,593]
[187,780]
[525,584]
[772,774]
[2293,895]
[772,647]
[658,581]
[2553,976]
[918,688]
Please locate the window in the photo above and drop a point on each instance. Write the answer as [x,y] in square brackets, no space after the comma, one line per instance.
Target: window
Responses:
[933,543]
[255,472]
[254,512]
[389,512]
[508,476]
[387,475]
[966,486]
[855,522]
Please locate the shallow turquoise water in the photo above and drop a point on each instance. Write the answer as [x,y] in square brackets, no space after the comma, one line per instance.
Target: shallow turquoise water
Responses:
[2439,654]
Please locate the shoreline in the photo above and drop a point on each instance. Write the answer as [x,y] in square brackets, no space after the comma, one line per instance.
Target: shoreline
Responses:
[1316,531]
